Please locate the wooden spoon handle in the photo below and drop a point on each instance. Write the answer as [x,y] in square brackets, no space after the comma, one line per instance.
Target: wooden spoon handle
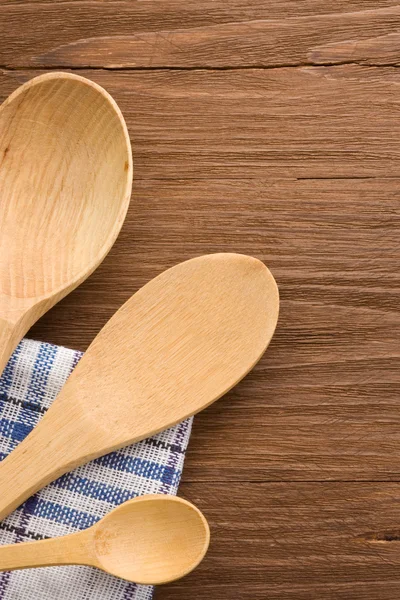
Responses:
[66,550]
[50,450]
[15,321]
[9,338]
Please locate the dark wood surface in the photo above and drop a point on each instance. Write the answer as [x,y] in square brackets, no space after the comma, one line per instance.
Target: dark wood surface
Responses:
[269,127]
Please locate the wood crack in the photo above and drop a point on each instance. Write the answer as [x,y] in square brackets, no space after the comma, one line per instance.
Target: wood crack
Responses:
[250,67]
[381,536]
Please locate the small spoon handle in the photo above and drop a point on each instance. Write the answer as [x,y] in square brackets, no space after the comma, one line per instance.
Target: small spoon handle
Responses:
[67,550]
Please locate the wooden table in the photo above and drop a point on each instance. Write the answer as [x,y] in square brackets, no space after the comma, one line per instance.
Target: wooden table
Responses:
[269,127]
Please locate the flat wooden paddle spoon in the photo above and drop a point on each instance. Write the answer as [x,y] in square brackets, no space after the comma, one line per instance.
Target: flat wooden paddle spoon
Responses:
[179,344]
[65,186]
[151,540]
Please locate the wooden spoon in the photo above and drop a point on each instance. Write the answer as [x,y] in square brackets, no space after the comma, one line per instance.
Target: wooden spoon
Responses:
[179,344]
[65,185]
[152,540]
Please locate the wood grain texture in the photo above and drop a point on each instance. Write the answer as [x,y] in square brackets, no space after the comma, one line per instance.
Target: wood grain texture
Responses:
[290,41]
[198,34]
[296,541]
[298,166]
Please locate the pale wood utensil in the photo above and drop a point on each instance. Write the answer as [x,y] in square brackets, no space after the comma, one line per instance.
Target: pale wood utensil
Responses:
[65,186]
[179,344]
[150,540]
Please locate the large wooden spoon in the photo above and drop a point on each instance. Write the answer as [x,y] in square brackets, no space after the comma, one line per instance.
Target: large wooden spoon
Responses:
[65,185]
[152,540]
[176,346]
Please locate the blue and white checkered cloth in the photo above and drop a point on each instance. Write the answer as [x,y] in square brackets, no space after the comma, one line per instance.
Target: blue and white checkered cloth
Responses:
[31,381]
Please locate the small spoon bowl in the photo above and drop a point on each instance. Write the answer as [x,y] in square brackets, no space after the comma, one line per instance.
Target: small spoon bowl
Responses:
[65,186]
[150,540]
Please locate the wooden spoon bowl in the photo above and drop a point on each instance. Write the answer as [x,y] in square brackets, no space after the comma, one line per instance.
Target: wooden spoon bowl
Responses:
[180,343]
[65,185]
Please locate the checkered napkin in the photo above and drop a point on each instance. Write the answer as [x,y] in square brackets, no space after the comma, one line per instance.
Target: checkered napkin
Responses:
[32,379]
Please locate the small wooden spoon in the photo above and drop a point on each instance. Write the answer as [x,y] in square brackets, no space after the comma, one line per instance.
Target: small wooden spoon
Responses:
[65,185]
[152,540]
[179,344]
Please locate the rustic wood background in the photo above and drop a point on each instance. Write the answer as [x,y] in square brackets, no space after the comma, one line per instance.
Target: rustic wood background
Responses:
[269,127]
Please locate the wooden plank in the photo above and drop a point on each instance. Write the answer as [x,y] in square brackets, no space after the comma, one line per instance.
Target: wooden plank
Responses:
[170,34]
[306,122]
[296,542]
[236,8]
[323,402]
